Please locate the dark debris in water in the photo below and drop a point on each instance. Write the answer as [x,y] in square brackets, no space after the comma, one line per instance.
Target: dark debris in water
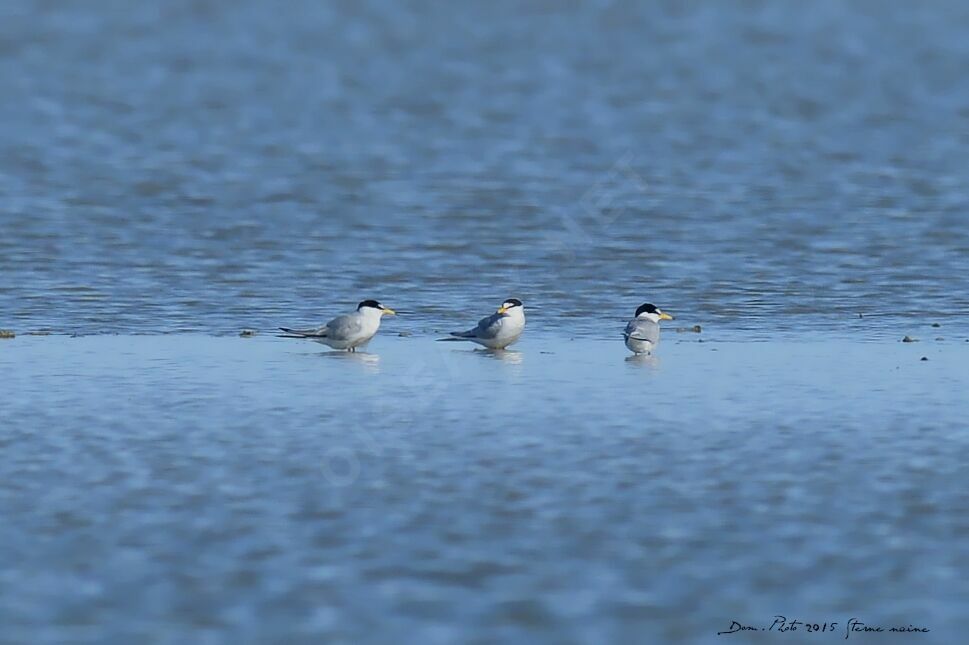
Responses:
[936,325]
[6,333]
[695,329]
[925,358]
[247,333]
[909,339]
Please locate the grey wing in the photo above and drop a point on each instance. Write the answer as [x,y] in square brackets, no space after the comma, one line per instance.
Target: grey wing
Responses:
[343,328]
[487,328]
[319,332]
[642,330]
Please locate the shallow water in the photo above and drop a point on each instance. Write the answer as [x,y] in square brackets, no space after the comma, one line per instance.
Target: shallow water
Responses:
[792,177]
[198,166]
[265,489]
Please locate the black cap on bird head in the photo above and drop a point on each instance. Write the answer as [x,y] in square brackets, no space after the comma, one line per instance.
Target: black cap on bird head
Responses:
[653,310]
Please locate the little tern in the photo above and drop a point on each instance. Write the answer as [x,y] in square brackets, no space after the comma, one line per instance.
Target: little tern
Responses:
[347,332]
[499,330]
[642,332]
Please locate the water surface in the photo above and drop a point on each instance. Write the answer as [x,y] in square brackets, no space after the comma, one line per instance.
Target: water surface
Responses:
[792,177]
[177,488]
[199,166]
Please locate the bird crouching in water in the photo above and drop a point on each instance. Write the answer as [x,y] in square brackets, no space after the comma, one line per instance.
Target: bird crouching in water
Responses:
[642,332]
[347,332]
[497,331]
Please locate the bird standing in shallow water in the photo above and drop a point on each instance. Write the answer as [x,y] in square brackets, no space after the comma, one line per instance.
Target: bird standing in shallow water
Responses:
[499,330]
[642,332]
[347,332]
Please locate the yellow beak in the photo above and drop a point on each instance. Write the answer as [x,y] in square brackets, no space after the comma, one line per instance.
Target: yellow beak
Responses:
[502,310]
[389,312]
[665,316]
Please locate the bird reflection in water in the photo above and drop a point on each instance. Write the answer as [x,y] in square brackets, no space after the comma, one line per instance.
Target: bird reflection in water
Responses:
[503,355]
[646,361]
[369,362]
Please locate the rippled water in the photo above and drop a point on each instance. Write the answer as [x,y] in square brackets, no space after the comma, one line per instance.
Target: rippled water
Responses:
[209,166]
[264,490]
[792,174]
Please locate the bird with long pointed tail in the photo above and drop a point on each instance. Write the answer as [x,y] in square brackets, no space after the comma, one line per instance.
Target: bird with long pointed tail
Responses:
[347,332]
[497,331]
